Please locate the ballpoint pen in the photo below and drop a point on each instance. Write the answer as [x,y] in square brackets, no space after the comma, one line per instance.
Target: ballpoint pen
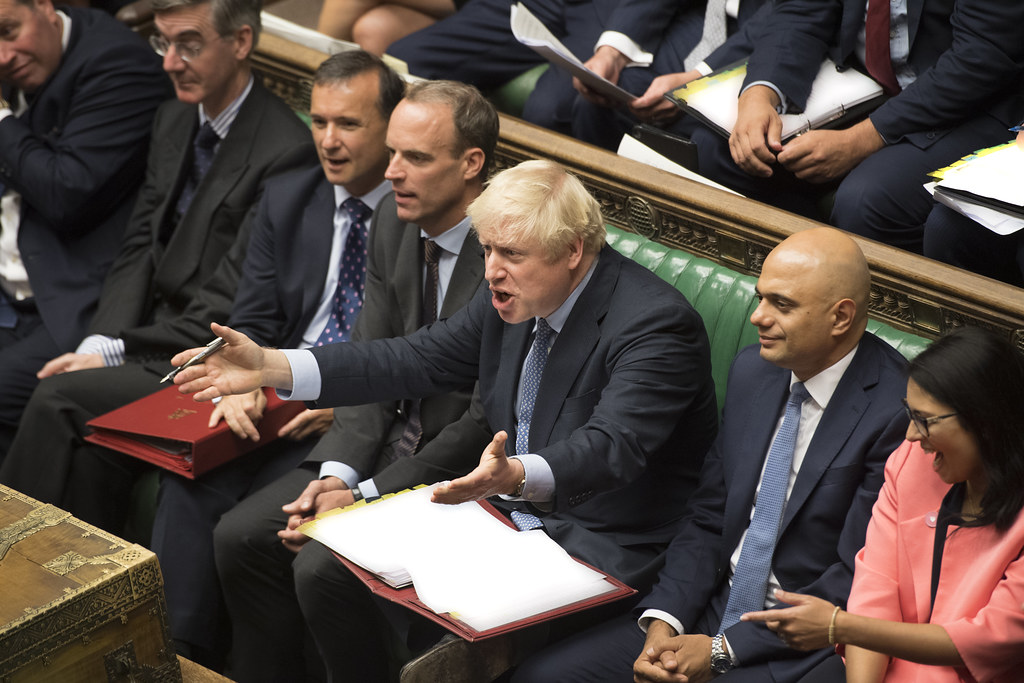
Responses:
[210,349]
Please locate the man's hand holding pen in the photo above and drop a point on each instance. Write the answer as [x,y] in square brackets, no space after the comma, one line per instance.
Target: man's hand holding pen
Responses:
[239,367]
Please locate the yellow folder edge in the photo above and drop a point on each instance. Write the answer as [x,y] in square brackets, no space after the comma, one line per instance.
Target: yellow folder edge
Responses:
[941,173]
[705,82]
[310,527]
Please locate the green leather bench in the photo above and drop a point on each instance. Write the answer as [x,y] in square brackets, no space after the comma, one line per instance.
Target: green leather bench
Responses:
[725,299]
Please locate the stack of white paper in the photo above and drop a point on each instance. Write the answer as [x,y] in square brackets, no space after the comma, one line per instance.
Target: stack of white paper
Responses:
[989,174]
[460,558]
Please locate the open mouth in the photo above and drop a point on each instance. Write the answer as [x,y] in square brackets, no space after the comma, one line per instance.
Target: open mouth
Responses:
[501,297]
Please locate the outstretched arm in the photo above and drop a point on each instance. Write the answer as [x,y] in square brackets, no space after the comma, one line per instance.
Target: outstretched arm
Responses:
[239,367]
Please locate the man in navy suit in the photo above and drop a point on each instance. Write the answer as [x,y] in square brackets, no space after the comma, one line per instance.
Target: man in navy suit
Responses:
[606,447]
[811,321]
[956,76]
[79,94]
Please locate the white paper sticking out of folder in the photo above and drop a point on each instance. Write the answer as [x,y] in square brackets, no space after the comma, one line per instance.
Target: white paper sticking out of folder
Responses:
[460,558]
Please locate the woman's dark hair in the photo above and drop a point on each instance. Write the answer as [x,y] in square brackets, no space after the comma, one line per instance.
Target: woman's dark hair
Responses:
[980,376]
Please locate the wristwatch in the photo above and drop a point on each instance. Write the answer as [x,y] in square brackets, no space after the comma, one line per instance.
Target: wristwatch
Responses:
[357,495]
[721,662]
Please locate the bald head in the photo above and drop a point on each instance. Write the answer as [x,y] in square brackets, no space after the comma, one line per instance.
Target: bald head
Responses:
[814,290]
[834,263]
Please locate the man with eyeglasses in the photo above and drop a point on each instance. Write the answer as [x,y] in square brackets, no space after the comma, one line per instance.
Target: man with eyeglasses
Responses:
[811,414]
[79,92]
[212,149]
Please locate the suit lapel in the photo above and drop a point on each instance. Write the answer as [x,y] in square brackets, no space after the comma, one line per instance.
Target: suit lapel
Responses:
[229,165]
[742,471]
[408,282]
[514,341]
[469,271]
[317,226]
[845,410]
[581,332]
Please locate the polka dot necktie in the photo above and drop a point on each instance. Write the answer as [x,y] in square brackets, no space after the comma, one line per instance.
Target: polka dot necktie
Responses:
[750,582]
[533,369]
[348,297]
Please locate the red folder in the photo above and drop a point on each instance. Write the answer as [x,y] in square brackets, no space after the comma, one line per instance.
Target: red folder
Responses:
[170,429]
[407,597]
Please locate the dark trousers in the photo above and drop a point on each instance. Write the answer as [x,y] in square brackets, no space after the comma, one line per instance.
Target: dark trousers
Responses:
[50,461]
[957,240]
[268,634]
[883,198]
[187,512]
[24,350]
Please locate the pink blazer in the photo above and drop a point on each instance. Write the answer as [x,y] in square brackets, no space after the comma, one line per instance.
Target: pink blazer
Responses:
[980,598]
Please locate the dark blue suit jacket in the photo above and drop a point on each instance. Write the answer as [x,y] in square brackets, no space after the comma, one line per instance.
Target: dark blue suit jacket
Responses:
[826,516]
[77,156]
[968,56]
[624,414]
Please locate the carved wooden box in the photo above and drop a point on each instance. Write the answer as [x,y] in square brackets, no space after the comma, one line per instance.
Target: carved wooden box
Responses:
[76,603]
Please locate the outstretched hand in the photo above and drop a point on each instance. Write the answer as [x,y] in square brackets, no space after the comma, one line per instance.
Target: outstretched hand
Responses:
[240,366]
[496,474]
[804,626]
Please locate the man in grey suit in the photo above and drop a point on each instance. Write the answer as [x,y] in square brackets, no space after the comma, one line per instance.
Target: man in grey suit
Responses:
[441,137]
[608,440]
[212,149]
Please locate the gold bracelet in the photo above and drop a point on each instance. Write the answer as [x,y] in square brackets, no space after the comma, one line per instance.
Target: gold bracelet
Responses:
[832,626]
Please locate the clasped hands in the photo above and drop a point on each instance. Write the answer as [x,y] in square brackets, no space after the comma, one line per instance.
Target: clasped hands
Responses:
[817,156]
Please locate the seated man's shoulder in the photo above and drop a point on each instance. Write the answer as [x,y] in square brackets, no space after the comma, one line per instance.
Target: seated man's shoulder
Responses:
[102,36]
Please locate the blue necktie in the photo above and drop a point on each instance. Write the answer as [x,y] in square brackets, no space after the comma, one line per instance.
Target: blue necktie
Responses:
[533,369]
[750,582]
[348,297]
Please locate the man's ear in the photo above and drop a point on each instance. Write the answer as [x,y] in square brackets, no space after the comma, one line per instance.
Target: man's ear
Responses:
[844,312]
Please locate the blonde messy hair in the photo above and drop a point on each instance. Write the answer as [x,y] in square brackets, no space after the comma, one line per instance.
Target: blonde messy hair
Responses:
[538,202]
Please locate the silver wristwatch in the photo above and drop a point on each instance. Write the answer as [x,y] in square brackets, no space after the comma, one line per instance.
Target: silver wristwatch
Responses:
[721,662]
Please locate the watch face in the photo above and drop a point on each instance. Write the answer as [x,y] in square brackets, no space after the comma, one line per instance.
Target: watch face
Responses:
[721,664]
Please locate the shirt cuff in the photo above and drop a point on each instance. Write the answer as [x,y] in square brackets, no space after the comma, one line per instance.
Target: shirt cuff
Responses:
[333,468]
[5,112]
[624,44]
[781,109]
[650,615]
[732,653]
[305,376]
[540,482]
[369,489]
[112,350]
[703,69]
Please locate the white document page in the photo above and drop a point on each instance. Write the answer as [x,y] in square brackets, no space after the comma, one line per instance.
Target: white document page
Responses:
[529,31]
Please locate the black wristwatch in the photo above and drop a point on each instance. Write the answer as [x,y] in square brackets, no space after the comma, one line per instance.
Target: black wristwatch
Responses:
[357,495]
[721,662]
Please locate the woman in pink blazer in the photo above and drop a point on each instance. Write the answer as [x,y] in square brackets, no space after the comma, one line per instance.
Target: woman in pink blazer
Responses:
[952,499]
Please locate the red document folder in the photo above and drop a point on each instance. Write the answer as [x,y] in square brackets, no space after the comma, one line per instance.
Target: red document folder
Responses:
[170,429]
[407,597]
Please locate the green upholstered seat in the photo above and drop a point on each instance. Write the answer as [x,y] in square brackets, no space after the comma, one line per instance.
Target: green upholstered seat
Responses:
[511,97]
[725,299]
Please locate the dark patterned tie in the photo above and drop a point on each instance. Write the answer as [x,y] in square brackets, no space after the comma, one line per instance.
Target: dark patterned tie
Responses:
[533,370]
[876,46]
[750,582]
[348,297]
[203,147]
[413,431]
